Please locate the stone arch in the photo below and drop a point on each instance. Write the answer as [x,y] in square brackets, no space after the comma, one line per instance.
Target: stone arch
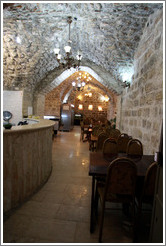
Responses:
[66,89]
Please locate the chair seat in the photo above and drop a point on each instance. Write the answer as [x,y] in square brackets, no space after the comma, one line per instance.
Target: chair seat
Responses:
[111,197]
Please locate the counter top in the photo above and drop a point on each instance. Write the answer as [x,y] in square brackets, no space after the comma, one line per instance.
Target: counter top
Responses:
[41,123]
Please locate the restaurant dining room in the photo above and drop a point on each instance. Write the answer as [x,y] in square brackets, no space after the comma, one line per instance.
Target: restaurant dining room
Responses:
[83,122]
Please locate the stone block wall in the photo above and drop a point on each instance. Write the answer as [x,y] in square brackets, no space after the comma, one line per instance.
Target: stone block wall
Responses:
[141,111]
[95,101]
[52,103]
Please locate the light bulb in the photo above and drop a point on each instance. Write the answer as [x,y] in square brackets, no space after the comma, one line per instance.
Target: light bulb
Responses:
[73,83]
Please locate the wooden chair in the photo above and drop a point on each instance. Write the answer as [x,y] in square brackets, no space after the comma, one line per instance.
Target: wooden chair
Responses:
[108,129]
[144,201]
[94,137]
[100,130]
[114,133]
[119,186]
[101,138]
[147,195]
[134,148]
[83,131]
[122,142]
[110,146]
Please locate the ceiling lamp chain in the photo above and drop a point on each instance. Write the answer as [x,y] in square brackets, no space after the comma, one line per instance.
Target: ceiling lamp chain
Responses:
[70,61]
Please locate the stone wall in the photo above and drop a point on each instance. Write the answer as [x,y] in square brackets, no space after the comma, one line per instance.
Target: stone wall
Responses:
[142,103]
[95,101]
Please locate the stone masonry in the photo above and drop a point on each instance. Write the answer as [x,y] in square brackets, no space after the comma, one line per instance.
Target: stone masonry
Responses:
[107,34]
[141,104]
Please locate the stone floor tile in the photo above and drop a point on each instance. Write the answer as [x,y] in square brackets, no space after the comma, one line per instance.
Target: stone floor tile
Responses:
[73,213]
[61,231]
[43,209]
[83,234]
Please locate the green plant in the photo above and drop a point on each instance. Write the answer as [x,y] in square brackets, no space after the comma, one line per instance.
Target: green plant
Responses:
[113,122]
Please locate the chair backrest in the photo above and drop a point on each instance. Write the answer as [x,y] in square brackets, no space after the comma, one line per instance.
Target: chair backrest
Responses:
[114,133]
[121,178]
[95,130]
[134,148]
[100,130]
[110,146]
[108,129]
[122,142]
[150,178]
[101,138]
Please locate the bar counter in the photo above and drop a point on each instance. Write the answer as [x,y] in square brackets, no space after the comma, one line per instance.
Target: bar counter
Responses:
[27,161]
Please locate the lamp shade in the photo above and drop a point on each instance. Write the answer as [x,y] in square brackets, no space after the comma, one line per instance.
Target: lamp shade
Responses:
[79,57]
[59,56]
[67,48]
[83,83]
[56,51]
[73,83]
[78,84]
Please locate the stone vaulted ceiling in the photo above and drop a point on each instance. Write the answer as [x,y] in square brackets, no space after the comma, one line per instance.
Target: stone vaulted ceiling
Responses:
[107,33]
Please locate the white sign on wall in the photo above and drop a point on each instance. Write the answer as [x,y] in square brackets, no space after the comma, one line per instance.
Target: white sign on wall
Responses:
[12,102]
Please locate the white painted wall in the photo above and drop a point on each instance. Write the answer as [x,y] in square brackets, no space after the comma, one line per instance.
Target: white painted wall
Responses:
[12,102]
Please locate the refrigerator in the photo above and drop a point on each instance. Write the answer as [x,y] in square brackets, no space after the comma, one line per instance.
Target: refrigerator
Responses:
[67,117]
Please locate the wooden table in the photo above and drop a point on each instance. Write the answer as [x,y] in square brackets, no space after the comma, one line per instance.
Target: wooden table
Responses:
[98,168]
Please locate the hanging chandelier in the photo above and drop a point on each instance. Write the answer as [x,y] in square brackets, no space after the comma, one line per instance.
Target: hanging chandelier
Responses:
[69,60]
[79,84]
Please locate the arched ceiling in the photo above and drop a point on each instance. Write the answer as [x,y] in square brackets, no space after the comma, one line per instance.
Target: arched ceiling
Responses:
[107,33]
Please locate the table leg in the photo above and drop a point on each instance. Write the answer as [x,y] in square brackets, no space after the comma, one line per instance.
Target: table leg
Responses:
[92,206]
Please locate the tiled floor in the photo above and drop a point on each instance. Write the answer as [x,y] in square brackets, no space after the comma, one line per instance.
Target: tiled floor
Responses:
[60,211]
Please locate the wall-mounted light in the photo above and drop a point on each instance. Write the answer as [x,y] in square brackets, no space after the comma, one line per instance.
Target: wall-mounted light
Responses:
[104,98]
[18,40]
[80,107]
[126,84]
[79,97]
[100,108]
[90,107]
